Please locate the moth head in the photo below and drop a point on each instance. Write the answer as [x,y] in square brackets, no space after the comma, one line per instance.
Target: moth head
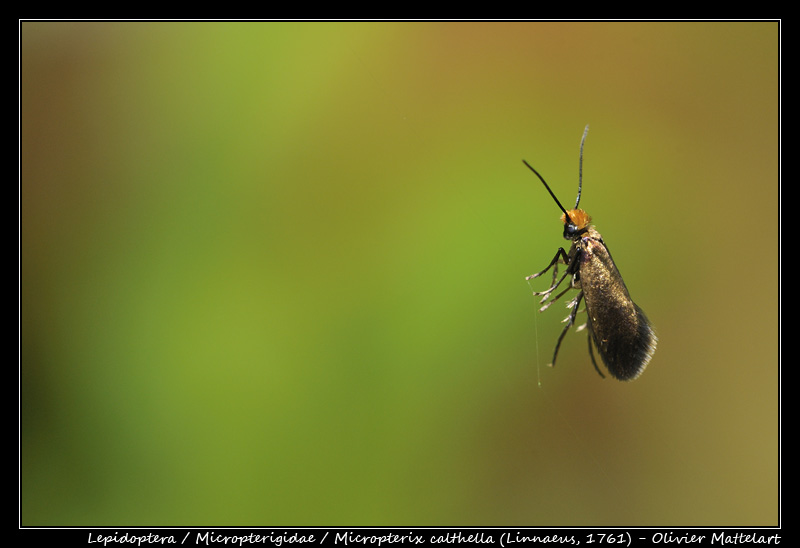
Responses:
[576,221]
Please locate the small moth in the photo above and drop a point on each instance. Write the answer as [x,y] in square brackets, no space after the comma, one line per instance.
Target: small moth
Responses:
[618,328]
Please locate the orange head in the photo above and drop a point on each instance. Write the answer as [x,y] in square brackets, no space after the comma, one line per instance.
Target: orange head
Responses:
[577,217]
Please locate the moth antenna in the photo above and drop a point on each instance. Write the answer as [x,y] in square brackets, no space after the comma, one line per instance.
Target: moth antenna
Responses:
[548,187]
[580,167]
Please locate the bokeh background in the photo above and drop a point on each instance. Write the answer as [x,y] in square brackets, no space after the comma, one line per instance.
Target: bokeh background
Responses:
[273,273]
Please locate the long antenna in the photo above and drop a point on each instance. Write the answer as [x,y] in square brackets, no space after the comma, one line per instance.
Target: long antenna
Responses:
[548,189]
[580,167]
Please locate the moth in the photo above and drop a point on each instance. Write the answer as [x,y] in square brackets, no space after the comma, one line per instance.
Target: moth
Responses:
[617,327]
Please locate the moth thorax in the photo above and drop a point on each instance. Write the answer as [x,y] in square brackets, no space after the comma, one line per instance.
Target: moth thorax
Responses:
[578,217]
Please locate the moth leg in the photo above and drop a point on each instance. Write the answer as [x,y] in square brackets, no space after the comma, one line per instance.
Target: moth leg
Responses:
[553,283]
[591,354]
[571,263]
[554,299]
[570,320]
[546,292]
[560,254]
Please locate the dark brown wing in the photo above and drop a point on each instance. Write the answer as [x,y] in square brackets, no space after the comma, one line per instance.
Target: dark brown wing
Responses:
[620,330]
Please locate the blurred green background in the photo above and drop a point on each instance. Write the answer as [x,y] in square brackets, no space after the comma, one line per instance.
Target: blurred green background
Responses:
[273,273]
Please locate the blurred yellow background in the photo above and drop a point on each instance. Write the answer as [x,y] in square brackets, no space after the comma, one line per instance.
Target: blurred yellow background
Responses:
[273,273]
